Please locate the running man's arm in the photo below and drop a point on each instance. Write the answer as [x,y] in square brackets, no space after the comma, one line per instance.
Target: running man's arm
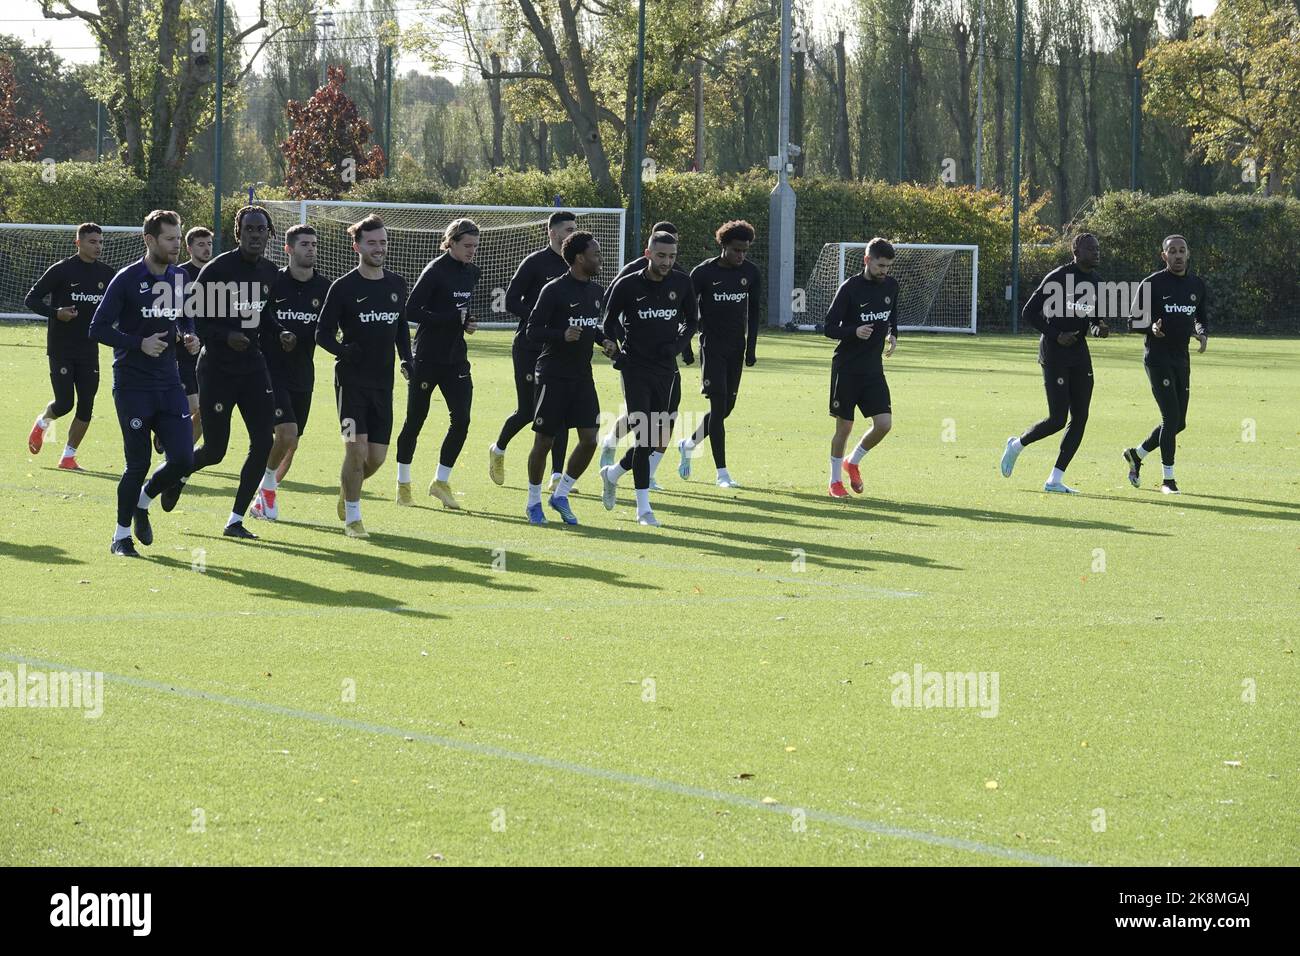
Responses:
[538,331]
[327,326]
[517,289]
[1033,310]
[404,335]
[614,301]
[103,324]
[35,300]
[835,326]
[690,323]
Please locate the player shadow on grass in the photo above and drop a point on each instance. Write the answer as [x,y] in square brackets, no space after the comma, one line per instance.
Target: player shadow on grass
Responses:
[517,562]
[283,588]
[1188,500]
[772,550]
[888,505]
[836,511]
[37,553]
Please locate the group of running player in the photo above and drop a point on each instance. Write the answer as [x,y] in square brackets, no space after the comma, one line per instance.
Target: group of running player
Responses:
[193,343]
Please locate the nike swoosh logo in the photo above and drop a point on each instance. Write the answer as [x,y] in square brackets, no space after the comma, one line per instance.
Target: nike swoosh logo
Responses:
[1166,297]
[719,282]
[462,376]
[641,299]
[268,391]
[362,299]
[73,285]
[573,305]
[278,301]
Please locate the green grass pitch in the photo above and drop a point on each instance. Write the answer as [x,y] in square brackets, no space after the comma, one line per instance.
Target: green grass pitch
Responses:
[466,689]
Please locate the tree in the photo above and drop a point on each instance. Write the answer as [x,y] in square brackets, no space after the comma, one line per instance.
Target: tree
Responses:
[158,78]
[1235,82]
[21,137]
[327,151]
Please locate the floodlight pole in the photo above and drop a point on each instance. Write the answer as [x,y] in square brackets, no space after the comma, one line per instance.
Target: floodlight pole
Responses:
[781,207]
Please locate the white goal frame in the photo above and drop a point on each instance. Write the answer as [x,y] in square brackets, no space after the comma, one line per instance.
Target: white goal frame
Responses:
[610,269]
[71,229]
[974,250]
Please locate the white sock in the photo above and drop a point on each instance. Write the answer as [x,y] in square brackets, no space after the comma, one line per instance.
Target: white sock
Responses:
[145,501]
[565,486]
[495,450]
[655,458]
[555,477]
[43,423]
[688,444]
[616,471]
[609,441]
[724,475]
[642,501]
[1169,471]
[1057,477]
[444,473]
[268,480]
[858,453]
[352,511]
[1016,445]
[534,495]
[121,533]
[1141,452]
[235,518]
[837,469]
[69,451]
[404,473]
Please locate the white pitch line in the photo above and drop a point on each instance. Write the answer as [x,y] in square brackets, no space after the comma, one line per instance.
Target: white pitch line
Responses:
[564,766]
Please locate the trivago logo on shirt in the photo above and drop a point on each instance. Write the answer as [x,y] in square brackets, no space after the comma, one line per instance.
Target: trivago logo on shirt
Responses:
[667,314]
[586,322]
[86,297]
[376,316]
[730,296]
[1175,307]
[873,316]
[289,315]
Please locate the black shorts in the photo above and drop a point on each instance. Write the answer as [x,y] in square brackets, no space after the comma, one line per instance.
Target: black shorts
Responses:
[869,394]
[365,411]
[292,407]
[561,405]
[652,399]
[720,372]
[187,364]
[75,381]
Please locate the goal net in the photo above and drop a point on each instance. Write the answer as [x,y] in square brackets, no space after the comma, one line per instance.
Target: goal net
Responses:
[938,284]
[509,233]
[26,251]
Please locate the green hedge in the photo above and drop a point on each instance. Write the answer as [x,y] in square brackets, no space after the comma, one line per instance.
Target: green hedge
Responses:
[1245,247]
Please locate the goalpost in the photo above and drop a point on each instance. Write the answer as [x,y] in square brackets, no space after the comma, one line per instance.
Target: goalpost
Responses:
[938,284]
[509,233]
[27,250]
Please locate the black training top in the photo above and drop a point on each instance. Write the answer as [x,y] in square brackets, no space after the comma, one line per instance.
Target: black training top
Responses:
[861,301]
[566,302]
[534,272]
[728,302]
[1065,301]
[230,295]
[437,305]
[371,314]
[652,321]
[1179,302]
[297,307]
[70,282]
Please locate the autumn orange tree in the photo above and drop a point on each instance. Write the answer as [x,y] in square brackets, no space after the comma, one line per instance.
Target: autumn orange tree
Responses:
[327,149]
[21,137]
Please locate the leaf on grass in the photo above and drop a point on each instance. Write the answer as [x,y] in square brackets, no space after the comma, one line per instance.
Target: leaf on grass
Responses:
[744,776]
[990,784]
[769,801]
[789,750]
[1232,763]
